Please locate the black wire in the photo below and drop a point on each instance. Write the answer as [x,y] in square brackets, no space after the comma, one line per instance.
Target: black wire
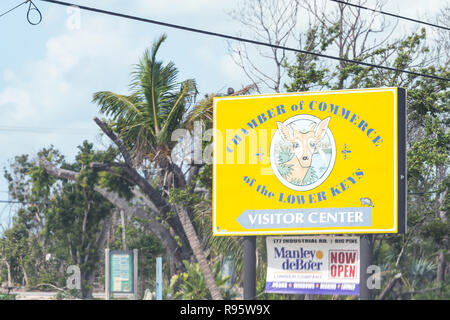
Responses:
[45,130]
[221,35]
[32,7]
[5,13]
[23,202]
[391,14]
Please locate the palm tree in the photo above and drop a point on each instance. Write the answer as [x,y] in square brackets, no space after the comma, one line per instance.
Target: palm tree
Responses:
[145,121]
[146,118]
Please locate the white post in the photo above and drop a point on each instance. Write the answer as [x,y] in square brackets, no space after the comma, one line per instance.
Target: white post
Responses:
[159,278]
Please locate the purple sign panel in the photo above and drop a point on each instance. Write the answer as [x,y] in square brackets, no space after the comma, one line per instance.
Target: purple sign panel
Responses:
[313,265]
[313,288]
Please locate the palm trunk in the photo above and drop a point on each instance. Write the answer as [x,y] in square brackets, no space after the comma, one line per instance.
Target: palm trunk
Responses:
[442,215]
[441,266]
[199,253]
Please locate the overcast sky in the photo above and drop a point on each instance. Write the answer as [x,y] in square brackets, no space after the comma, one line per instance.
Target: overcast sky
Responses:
[49,72]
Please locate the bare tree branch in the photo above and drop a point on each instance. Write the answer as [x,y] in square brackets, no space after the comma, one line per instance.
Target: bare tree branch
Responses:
[58,172]
[268,21]
[118,142]
[390,286]
[155,227]
[169,243]
[137,179]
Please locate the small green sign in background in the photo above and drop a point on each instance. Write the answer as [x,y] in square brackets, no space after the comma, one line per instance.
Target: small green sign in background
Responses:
[121,268]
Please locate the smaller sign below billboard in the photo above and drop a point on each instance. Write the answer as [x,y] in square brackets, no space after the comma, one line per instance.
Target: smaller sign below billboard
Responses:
[313,265]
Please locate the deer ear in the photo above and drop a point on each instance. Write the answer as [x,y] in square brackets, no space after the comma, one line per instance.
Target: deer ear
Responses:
[285,133]
[321,129]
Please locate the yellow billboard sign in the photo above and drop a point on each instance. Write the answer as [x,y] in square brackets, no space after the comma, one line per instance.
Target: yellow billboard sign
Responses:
[310,163]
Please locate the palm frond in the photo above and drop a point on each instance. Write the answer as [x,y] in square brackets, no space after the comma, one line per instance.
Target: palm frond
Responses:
[203,111]
[146,119]
[178,104]
[147,80]
[117,106]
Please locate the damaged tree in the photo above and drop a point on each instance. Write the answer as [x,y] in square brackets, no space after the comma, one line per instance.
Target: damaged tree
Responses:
[141,127]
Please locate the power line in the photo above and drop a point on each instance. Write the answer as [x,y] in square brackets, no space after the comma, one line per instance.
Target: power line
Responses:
[391,14]
[31,7]
[6,12]
[9,201]
[225,36]
[75,131]
[23,202]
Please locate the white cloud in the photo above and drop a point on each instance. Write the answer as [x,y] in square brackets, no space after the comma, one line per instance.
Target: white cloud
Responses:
[170,8]
[56,90]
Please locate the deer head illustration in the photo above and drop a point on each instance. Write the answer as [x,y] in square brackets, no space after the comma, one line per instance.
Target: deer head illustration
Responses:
[303,144]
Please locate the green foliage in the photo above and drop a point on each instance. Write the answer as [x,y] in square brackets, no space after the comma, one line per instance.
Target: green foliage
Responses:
[148,245]
[58,217]
[434,293]
[60,296]
[421,270]
[22,245]
[436,230]
[285,169]
[179,196]
[66,218]
[310,176]
[284,155]
[428,103]
[191,285]
[205,177]
[307,72]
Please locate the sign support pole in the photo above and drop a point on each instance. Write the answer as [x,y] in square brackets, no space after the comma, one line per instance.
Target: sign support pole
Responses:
[249,267]
[365,261]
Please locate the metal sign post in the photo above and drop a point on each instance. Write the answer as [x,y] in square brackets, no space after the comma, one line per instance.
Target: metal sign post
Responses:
[366,261]
[249,268]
